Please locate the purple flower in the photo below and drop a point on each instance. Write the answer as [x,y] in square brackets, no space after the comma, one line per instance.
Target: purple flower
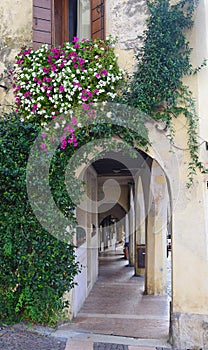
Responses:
[97,75]
[96,91]
[76,66]
[77,46]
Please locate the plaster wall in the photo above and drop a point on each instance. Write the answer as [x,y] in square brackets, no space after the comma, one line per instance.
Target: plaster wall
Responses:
[15,31]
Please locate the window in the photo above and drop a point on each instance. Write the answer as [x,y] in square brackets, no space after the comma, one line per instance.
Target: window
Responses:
[57,21]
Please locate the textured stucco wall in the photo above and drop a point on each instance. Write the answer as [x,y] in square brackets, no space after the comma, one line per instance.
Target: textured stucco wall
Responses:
[15,31]
[125,19]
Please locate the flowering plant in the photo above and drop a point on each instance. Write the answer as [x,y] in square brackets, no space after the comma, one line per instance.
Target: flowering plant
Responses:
[50,82]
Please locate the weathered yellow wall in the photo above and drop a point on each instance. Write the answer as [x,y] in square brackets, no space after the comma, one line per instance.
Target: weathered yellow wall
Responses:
[15,31]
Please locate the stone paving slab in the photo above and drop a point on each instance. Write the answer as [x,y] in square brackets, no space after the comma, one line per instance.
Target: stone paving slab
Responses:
[108,346]
[89,345]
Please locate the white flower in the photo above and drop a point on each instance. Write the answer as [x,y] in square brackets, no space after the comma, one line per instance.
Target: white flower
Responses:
[57,126]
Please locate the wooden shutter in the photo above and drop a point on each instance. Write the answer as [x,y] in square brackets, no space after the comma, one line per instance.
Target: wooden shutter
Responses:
[98,19]
[42,22]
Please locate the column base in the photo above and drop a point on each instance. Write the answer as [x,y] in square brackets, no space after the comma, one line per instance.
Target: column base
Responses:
[189,331]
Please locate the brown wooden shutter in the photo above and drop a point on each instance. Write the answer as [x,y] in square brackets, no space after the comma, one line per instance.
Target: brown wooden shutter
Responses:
[98,19]
[42,22]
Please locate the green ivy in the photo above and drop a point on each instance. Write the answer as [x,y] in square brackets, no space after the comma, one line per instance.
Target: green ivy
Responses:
[157,86]
[36,268]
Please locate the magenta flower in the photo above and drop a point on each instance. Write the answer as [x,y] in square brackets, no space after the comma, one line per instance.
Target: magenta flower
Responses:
[39,82]
[61,89]
[27,93]
[63,144]
[104,72]
[43,136]
[85,106]
[63,138]
[46,70]
[96,91]
[76,66]
[74,120]
[43,146]
[75,39]
[76,84]
[81,61]
[54,68]
[84,98]
[69,129]
[97,75]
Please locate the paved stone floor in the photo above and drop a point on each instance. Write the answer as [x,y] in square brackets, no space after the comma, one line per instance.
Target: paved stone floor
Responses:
[116,307]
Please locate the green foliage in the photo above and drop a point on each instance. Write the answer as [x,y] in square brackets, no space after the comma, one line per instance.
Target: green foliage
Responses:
[36,268]
[157,86]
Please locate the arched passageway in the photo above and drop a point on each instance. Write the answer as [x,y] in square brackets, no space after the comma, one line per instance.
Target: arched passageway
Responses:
[132,209]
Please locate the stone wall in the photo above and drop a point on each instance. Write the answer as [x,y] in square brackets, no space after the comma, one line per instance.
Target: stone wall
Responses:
[15,31]
[125,19]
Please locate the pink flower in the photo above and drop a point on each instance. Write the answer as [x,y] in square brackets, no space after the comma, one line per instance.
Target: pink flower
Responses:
[84,98]
[54,69]
[76,66]
[104,72]
[63,144]
[43,146]
[43,136]
[96,91]
[81,61]
[61,89]
[45,70]
[85,106]
[89,93]
[97,75]
[63,138]
[27,93]
[39,82]
[76,84]
[69,129]
[75,39]
[74,121]
[76,46]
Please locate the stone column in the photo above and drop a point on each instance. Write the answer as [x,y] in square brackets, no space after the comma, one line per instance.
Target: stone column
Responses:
[156,250]
[140,227]
[131,227]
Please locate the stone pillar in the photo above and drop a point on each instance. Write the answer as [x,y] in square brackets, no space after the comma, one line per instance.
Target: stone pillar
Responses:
[140,227]
[131,228]
[156,251]
[127,228]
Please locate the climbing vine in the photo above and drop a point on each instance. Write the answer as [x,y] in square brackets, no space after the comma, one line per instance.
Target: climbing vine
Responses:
[157,86]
